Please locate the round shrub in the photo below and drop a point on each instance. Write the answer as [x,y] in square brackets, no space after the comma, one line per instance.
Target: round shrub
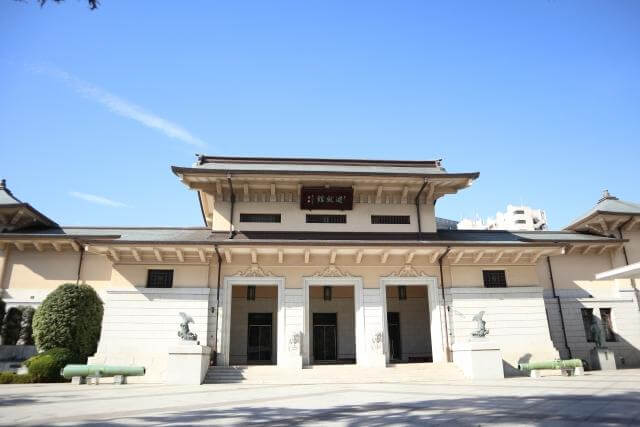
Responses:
[69,317]
[26,326]
[46,366]
[11,326]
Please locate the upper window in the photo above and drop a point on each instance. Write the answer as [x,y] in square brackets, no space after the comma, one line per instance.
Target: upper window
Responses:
[521,221]
[326,219]
[259,217]
[607,324]
[494,278]
[519,212]
[159,278]
[587,320]
[390,219]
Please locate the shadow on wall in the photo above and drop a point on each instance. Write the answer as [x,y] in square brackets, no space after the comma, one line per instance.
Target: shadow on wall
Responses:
[530,409]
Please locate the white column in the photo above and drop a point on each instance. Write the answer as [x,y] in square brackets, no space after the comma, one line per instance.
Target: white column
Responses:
[293,315]
[373,307]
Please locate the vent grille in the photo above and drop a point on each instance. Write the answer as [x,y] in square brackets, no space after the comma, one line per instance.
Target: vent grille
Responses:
[390,219]
[326,219]
[257,217]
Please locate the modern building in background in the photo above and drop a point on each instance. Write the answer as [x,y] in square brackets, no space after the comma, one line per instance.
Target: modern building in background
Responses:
[519,218]
[303,262]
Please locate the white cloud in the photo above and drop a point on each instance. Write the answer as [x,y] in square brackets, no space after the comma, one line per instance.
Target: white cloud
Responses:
[121,106]
[92,198]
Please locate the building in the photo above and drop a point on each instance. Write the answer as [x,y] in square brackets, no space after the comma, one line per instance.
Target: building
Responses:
[311,261]
[519,218]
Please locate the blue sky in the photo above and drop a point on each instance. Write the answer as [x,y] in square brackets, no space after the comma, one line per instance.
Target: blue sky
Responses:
[542,97]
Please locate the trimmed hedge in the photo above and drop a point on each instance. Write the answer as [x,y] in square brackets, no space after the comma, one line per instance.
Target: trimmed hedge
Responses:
[70,317]
[11,326]
[26,326]
[45,367]
[11,378]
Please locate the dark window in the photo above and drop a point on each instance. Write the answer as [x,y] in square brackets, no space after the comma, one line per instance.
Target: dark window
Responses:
[159,278]
[521,221]
[258,217]
[587,320]
[494,279]
[390,219]
[402,292]
[607,324]
[520,212]
[327,219]
[327,293]
[251,293]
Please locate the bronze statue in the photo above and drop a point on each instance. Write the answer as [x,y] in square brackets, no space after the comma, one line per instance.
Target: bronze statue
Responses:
[596,333]
[481,330]
[184,332]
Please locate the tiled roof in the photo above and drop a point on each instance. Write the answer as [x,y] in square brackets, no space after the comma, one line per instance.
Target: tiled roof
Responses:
[608,204]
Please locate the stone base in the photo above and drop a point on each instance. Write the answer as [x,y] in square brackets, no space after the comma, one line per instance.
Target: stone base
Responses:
[603,359]
[188,364]
[479,359]
[93,380]
[78,380]
[578,371]
[119,379]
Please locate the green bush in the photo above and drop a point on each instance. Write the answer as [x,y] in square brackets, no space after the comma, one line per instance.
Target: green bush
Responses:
[69,317]
[26,326]
[45,367]
[11,378]
[11,326]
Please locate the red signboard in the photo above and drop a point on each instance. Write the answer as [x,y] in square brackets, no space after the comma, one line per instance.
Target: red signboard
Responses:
[330,198]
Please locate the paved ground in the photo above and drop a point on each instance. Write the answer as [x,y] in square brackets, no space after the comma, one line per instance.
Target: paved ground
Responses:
[596,398]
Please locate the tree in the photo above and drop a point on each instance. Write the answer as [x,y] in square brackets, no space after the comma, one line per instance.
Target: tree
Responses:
[93,4]
[2,312]
[11,326]
[26,326]
[69,317]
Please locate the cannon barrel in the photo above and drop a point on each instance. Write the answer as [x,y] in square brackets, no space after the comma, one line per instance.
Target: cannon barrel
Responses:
[551,364]
[101,371]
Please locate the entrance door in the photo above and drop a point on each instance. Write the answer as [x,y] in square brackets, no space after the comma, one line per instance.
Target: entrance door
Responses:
[325,337]
[393,324]
[259,338]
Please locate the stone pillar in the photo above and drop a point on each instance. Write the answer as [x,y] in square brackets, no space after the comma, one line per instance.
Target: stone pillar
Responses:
[373,307]
[293,305]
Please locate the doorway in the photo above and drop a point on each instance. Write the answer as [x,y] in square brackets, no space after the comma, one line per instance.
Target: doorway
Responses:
[395,345]
[325,337]
[260,341]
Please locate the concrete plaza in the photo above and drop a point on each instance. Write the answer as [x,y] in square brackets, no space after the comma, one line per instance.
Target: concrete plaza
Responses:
[596,398]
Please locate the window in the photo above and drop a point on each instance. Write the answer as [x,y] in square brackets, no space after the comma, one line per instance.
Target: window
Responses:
[494,278]
[607,324]
[326,219]
[518,212]
[251,293]
[402,292]
[159,278]
[587,319]
[326,293]
[521,221]
[390,219]
[258,217]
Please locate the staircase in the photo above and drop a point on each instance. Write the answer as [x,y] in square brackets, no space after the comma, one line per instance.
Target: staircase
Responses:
[333,374]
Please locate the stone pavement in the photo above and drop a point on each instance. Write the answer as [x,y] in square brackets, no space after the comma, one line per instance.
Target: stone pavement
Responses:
[611,398]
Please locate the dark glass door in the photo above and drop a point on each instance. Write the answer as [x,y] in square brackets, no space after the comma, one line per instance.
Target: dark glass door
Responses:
[259,346]
[325,337]
[393,324]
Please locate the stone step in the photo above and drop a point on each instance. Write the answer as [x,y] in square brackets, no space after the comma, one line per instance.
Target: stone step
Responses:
[271,374]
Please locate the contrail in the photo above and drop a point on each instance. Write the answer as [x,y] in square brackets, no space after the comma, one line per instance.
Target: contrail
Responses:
[92,198]
[122,107]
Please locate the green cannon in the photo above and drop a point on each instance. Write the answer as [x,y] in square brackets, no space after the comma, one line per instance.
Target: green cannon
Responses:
[98,371]
[551,364]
